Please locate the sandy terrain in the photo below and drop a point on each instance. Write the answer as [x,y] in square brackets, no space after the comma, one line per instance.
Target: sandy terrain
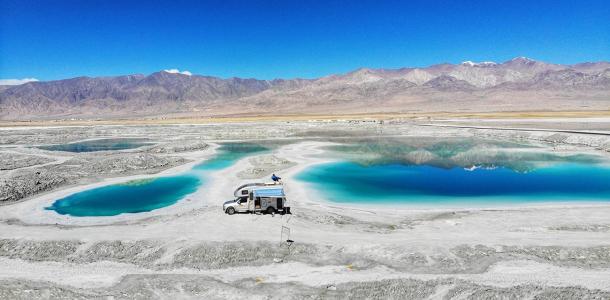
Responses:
[578,115]
[193,249]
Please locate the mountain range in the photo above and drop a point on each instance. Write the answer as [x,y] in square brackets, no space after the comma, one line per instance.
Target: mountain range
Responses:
[520,84]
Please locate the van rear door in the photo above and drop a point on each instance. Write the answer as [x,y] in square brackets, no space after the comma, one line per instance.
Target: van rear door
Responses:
[279,203]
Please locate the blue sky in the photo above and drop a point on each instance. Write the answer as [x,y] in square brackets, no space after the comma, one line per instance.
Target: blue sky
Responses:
[285,39]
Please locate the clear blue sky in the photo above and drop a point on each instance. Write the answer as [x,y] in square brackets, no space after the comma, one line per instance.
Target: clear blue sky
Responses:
[285,39]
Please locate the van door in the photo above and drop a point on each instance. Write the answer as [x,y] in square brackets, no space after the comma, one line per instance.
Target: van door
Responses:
[242,204]
[280,203]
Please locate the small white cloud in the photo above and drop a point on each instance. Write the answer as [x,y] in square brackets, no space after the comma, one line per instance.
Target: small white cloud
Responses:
[16,81]
[479,64]
[176,71]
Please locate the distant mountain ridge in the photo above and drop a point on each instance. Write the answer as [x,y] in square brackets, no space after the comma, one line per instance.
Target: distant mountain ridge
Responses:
[517,84]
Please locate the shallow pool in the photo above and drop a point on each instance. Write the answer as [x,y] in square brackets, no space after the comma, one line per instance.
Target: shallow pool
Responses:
[146,195]
[228,153]
[98,145]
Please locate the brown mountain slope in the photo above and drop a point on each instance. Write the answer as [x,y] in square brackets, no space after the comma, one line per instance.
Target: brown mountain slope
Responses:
[518,84]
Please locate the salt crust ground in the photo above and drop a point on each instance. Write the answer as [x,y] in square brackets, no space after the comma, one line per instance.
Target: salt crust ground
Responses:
[194,249]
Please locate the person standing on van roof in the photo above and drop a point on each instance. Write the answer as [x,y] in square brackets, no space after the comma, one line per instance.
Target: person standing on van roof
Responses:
[275,178]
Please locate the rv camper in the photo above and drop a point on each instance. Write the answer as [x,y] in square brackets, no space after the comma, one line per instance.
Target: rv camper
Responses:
[258,197]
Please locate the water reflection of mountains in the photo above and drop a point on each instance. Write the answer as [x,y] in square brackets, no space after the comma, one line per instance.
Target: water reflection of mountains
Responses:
[454,152]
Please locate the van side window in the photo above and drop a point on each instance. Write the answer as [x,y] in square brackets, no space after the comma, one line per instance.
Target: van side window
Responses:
[244,192]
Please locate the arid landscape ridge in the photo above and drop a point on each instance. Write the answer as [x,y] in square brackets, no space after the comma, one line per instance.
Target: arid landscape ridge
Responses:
[520,84]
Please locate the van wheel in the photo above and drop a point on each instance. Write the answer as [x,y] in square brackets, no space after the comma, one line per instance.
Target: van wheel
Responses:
[270,210]
[230,210]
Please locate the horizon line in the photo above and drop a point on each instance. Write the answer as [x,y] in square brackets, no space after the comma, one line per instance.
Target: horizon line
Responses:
[7,81]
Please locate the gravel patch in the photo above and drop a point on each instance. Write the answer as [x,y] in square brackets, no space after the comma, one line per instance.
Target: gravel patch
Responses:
[202,287]
[463,259]
[38,250]
[141,253]
[229,254]
[264,165]
[12,161]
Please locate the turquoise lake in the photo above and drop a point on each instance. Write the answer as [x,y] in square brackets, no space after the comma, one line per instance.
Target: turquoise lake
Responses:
[131,197]
[145,195]
[457,172]
[98,145]
[228,154]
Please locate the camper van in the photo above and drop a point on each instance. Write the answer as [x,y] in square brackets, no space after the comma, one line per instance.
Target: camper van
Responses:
[258,197]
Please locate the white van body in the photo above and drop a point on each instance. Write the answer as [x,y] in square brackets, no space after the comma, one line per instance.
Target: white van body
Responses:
[258,197]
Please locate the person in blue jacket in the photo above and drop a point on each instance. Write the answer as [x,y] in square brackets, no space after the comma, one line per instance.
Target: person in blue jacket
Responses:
[275,178]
